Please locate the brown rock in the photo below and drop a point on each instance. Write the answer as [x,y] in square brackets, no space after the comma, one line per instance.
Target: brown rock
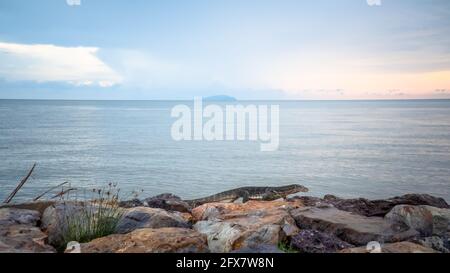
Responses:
[401,247]
[23,239]
[148,240]
[351,227]
[230,226]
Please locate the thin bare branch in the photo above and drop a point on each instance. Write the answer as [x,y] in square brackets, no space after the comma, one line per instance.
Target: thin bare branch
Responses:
[19,186]
[49,190]
[62,193]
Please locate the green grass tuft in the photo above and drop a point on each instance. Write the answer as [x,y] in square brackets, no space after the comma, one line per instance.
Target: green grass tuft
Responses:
[96,218]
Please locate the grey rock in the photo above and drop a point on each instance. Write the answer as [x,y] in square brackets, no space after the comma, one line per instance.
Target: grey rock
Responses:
[373,207]
[131,203]
[425,219]
[262,248]
[55,218]
[382,207]
[313,241]
[351,227]
[14,216]
[168,202]
[414,217]
[143,217]
[39,206]
[441,244]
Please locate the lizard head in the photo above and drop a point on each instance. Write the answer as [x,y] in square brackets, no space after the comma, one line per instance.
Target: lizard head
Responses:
[295,188]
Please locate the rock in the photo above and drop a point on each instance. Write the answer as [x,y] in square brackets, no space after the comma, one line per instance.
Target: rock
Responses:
[361,206]
[313,241]
[414,217]
[373,207]
[309,201]
[400,247]
[425,219]
[259,249]
[23,239]
[351,227]
[230,227]
[54,220]
[419,200]
[148,240]
[167,201]
[441,220]
[221,235]
[143,217]
[14,216]
[39,206]
[440,244]
[131,203]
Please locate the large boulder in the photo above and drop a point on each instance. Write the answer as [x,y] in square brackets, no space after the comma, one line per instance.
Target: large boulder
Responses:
[148,240]
[14,216]
[441,244]
[400,247]
[143,217]
[230,227]
[168,202]
[351,227]
[56,218]
[373,207]
[425,219]
[131,203]
[419,200]
[39,206]
[23,239]
[313,241]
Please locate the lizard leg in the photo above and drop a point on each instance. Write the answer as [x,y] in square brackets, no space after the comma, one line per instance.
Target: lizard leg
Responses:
[271,195]
[245,195]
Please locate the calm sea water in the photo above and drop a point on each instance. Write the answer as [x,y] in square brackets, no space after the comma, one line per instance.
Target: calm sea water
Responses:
[372,149]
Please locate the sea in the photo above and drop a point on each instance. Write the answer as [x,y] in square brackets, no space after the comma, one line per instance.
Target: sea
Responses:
[351,149]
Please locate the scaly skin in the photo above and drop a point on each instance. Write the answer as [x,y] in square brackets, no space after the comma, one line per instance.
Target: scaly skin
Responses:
[250,193]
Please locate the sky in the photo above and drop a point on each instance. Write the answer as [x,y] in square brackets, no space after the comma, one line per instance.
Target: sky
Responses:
[252,49]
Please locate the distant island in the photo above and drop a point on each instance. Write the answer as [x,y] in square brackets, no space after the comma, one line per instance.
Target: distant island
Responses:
[220,98]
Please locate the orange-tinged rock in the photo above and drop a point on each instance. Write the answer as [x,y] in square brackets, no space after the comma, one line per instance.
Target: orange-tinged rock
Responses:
[210,210]
[149,240]
[230,227]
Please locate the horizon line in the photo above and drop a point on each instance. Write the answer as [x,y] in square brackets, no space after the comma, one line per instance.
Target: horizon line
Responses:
[50,99]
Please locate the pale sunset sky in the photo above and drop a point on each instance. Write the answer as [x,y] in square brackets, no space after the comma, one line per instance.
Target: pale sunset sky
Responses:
[252,49]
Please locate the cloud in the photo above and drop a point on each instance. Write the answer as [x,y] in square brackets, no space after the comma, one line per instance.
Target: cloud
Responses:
[79,66]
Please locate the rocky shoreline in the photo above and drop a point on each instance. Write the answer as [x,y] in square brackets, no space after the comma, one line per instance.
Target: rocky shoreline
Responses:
[413,223]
